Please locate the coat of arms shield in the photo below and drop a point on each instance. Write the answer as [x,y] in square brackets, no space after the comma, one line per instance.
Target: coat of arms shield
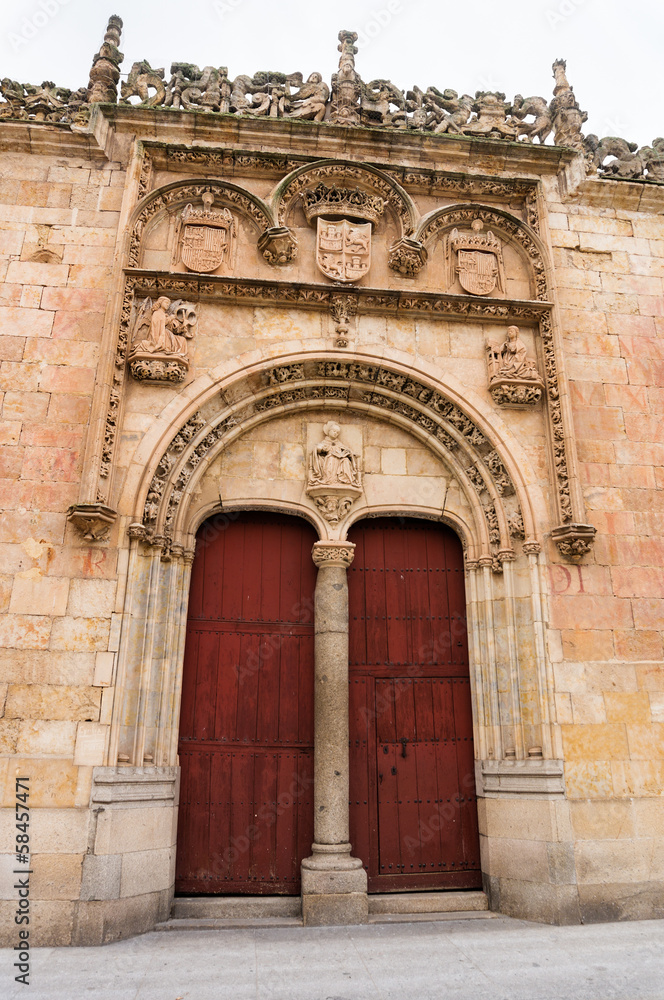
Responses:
[477,271]
[207,238]
[343,249]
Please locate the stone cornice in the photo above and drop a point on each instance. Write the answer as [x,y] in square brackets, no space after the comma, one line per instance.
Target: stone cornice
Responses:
[396,146]
[369,300]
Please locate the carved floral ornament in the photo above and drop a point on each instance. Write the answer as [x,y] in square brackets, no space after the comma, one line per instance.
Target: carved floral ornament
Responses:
[334,476]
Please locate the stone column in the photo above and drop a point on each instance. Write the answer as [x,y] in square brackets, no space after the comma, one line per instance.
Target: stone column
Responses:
[334,884]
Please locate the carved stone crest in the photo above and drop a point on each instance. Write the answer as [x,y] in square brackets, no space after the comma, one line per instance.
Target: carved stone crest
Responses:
[476,258]
[513,376]
[160,341]
[206,238]
[334,478]
[343,249]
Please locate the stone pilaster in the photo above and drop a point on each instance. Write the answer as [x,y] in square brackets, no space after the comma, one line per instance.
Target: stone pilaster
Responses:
[334,884]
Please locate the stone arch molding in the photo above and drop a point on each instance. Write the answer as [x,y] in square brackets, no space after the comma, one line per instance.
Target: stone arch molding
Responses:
[489,479]
[345,172]
[176,195]
[513,230]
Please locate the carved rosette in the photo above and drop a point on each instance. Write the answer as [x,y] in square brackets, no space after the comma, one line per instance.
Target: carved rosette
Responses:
[333,554]
[574,541]
[278,245]
[407,257]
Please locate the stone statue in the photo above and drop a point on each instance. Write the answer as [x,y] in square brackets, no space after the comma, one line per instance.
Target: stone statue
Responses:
[513,376]
[331,463]
[160,344]
[310,101]
[334,480]
[515,360]
[541,127]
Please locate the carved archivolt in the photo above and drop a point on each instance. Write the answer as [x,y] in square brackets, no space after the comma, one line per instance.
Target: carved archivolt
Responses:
[501,510]
[443,220]
[325,171]
[176,194]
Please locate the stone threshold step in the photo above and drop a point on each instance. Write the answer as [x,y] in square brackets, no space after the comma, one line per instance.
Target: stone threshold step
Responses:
[427,902]
[414,918]
[231,923]
[258,923]
[234,907]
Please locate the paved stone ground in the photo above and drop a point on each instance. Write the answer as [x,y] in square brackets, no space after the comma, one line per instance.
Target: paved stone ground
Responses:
[495,959]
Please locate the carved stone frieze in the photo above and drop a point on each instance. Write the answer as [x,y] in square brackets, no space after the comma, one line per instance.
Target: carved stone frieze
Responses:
[391,301]
[334,480]
[513,376]
[160,342]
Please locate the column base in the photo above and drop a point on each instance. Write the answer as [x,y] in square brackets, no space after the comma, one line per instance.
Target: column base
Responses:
[334,887]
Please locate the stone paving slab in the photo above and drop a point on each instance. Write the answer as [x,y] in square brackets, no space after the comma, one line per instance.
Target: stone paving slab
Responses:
[498,959]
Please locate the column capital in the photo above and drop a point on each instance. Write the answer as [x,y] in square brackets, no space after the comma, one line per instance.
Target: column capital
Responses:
[333,553]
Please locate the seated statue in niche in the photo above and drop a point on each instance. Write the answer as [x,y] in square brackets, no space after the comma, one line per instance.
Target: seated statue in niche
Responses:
[166,333]
[334,481]
[513,376]
[331,463]
[160,345]
[514,357]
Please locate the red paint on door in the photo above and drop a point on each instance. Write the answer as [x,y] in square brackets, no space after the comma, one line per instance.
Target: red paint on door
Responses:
[246,723]
[413,809]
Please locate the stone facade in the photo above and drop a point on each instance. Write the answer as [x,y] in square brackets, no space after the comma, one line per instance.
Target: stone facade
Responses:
[178,334]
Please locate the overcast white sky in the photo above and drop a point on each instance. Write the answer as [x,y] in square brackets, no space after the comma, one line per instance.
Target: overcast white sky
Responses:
[614,49]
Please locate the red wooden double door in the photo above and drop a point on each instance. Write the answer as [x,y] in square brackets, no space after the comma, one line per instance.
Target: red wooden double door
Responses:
[246,728]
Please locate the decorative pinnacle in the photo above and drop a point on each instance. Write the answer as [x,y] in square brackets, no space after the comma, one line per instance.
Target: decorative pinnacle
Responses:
[105,71]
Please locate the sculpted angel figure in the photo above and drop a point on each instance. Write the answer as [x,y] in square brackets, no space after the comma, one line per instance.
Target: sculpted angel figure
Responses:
[168,327]
[310,101]
[515,362]
[331,463]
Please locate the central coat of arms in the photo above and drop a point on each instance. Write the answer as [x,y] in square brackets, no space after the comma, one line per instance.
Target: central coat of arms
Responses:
[206,237]
[343,249]
[479,260]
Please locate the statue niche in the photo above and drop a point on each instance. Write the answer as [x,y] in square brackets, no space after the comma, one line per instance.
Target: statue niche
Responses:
[334,480]
[160,341]
[513,376]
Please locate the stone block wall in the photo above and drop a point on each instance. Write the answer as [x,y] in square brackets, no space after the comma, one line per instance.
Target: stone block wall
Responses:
[58,231]
[607,614]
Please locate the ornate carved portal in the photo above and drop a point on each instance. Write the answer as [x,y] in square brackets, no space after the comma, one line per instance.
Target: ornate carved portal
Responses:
[334,480]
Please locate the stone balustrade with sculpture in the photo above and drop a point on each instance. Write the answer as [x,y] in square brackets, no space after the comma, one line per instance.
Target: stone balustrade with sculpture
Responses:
[348,101]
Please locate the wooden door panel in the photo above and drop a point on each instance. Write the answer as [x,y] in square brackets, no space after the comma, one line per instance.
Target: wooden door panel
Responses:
[413,805]
[246,728]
